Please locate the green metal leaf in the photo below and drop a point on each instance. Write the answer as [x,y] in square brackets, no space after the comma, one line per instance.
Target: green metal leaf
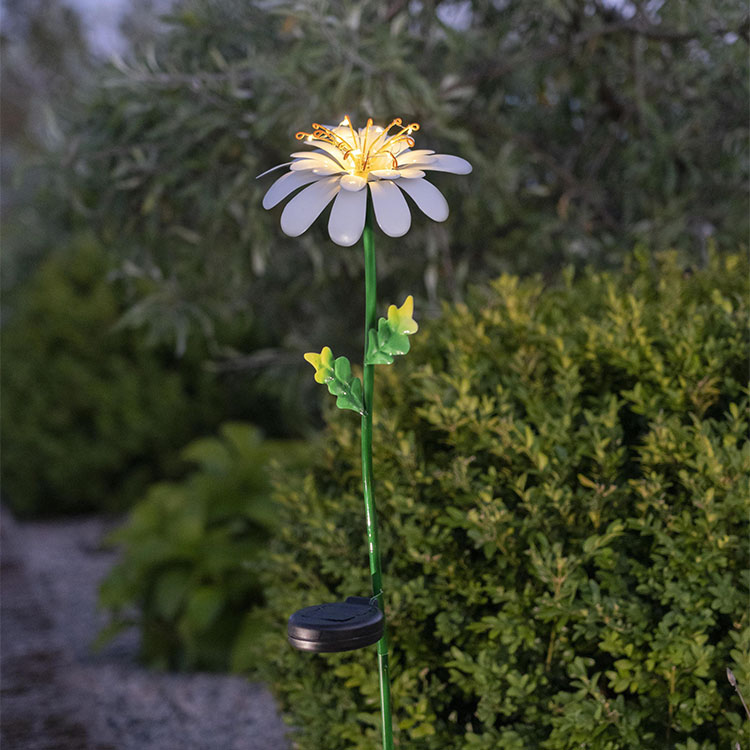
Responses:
[352,399]
[398,343]
[391,338]
[323,364]
[337,375]
[342,369]
[400,319]
[375,354]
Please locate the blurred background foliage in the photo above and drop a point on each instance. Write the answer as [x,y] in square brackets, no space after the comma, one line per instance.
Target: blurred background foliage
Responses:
[93,413]
[49,54]
[592,125]
[193,550]
[44,55]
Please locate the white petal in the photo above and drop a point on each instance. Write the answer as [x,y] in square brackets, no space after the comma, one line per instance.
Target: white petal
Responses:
[322,166]
[309,154]
[400,147]
[385,174]
[423,163]
[325,171]
[374,134]
[321,157]
[447,163]
[285,185]
[353,182]
[347,217]
[412,157]
[306,206]
[345,133]
[427,197]
[410,173]
[331,150]
[273,169]
[300,165]
[391,209]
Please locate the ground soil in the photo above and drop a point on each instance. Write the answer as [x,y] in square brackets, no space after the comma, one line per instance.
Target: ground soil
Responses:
[56,693]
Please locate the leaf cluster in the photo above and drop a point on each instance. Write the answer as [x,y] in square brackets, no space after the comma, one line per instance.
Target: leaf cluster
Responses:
[561,480]
[188,577]
[91,413]
[390,339]
[590,125]
[337,375]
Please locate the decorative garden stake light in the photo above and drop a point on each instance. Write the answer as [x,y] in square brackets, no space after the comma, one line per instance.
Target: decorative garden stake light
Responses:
[342,164]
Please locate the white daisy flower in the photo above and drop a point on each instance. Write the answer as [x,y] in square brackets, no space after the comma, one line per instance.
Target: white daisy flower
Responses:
[343,163]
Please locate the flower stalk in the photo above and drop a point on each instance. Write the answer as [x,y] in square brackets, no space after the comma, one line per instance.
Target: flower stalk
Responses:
[367,481]
[365,172]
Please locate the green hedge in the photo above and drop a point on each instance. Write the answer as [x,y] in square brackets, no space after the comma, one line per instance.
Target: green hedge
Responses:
[90,414]
[561,475]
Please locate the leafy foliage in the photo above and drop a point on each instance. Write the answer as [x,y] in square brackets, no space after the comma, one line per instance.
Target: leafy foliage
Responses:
[391,337]
[591,126]
[48,57]
[337,375]
[188,577]
[561,476]
[91,415]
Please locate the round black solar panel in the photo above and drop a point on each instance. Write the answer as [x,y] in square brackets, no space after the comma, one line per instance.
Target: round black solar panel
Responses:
[338,626]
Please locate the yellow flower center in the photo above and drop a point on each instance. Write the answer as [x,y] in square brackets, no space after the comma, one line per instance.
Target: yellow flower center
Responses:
[366,152]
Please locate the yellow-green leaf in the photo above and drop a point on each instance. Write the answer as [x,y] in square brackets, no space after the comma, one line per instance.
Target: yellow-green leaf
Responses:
[400,318]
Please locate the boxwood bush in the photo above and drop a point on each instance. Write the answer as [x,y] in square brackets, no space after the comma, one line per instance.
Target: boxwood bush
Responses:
[561,475]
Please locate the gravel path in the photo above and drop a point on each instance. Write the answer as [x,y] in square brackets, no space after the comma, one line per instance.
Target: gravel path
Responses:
[56,694]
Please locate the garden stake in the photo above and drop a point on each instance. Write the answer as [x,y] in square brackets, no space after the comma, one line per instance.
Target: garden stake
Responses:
[367,488]
[343,165]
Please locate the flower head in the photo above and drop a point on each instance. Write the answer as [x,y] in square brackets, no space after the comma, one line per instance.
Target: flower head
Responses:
[344,161]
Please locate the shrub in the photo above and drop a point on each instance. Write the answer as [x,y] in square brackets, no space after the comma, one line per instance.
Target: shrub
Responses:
[188,576]
[561,476]
[588,128]
[90,414]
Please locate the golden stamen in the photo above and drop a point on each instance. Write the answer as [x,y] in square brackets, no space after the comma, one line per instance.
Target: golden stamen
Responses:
[355,140]
[384,132]
[364,144]
[359,151]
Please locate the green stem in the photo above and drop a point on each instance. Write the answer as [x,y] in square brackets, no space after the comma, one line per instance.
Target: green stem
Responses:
[372,519]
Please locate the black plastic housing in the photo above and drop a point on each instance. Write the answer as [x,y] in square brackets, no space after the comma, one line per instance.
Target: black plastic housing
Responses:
[337,626]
